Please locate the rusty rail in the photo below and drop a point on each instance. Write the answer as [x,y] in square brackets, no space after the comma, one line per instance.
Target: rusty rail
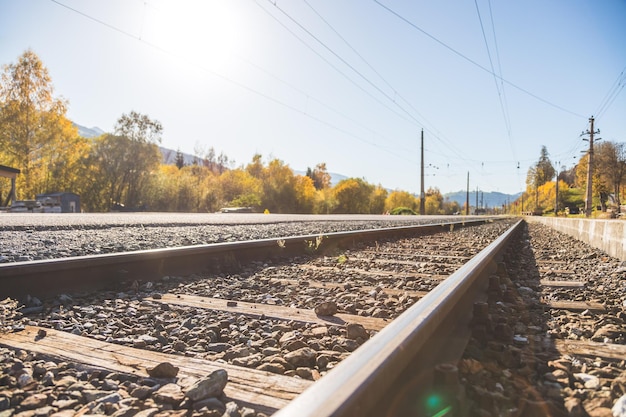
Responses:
[107,271]
[407,368]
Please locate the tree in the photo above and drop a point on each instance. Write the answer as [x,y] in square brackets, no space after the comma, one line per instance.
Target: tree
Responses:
[539,174]
[305,194]
[279,190]
[611,164]
[378,197]
[399,198]
[180,159]
[606,176]
[138,135]
[434,201]
[320,176]
[256,168]
[34,132]
[122,167]
[139,128]
[240,189]
[353,196]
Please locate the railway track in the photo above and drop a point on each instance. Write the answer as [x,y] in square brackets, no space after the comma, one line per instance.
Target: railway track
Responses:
[315,325]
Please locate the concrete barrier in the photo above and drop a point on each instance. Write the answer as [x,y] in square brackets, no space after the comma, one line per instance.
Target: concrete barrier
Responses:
[606,235]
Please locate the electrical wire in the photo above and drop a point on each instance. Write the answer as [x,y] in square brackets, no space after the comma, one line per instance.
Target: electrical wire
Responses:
[230,80]
[611,95]
[436,135]
[370,66]
[345,62]
[471,61]
[495,79]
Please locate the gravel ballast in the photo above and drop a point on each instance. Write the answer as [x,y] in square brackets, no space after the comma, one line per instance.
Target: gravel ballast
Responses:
[31,237]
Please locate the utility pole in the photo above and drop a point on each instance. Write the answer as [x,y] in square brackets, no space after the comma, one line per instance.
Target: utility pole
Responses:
[422,193]
[467,196]
[556,192]
[476,200]
[589,199]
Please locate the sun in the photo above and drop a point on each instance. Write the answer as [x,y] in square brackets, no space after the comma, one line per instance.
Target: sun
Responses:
[203,33]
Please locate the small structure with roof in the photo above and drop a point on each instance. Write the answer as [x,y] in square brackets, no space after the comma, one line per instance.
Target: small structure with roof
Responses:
[8,172]
[60,202]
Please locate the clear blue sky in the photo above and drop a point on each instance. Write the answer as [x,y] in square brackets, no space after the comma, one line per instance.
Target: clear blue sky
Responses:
[350,83]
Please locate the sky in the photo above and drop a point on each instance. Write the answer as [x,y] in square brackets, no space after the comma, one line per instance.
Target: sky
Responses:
[348,83]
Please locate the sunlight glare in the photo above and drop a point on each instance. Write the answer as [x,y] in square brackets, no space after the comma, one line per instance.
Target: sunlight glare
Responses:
[205,33]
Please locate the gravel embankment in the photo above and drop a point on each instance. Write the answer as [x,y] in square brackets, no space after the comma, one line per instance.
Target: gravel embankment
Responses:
[513,366]
[35,238]
[134,317]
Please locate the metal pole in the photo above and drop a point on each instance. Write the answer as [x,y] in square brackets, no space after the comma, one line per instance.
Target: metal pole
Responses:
[467,196]
[556,192]
[588,200]
[422,193]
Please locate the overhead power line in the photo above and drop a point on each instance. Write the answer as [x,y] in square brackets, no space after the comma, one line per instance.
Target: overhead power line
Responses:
[471,61]
[449,146]
[612,94]
[370,66]
[344,61]
[232,81]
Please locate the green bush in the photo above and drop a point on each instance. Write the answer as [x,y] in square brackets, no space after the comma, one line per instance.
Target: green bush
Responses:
[404,211]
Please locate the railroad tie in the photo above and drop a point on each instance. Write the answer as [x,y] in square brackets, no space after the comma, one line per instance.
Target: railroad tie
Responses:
[272,311]
[260,389]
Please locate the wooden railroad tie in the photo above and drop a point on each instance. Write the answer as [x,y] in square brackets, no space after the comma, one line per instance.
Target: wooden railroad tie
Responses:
[322,284]
[259,389]
[564,284]
[575,305]
[271,311]
[591,349]
[375,273]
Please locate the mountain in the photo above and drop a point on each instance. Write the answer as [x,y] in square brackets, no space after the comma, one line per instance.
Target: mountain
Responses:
[334,177]
[169,156]
[485,199]
[88,132]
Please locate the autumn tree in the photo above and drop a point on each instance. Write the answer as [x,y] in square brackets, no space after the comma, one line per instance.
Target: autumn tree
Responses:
[434,201]
[240,189]
[279,191]
[180,159]
[378,197]
[325,202]
[399,198]
[353,196]
[611,164]
[256,167]
[320,176]
[305,194]
[539,174]
[123,163]
[451,207]
[35,135]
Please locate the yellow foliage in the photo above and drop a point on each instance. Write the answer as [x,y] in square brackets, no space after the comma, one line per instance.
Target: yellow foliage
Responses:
[400,199]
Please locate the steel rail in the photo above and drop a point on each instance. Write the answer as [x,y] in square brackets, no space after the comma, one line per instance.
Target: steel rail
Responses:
[394,373]
[108,271]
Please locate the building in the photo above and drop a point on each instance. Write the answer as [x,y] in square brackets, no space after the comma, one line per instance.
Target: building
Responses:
[61,202]
[8,172]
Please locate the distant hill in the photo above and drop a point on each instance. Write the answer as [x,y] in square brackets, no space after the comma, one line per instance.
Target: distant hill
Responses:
[89,132]
[485,199]
[334,177]
[169,156]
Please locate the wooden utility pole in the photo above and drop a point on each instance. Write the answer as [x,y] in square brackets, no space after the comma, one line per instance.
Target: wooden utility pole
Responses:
[589,199]
[467,196]
[422,192]
[556,192]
